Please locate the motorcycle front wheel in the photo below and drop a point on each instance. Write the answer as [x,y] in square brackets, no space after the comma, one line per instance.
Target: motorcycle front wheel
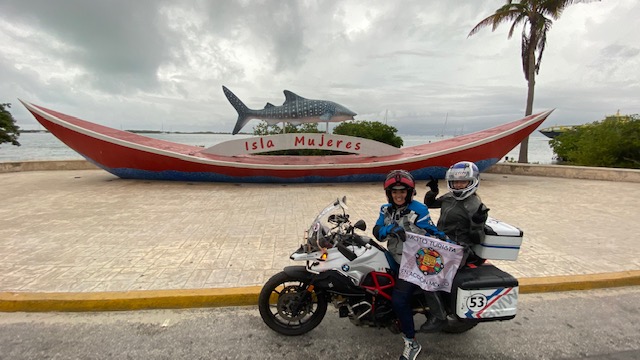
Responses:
[289,306]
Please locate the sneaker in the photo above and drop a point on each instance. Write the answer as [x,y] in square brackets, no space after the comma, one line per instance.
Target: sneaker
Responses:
[411,349]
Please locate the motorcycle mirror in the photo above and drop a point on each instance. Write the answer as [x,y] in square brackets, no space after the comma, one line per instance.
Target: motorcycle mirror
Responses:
[360,225]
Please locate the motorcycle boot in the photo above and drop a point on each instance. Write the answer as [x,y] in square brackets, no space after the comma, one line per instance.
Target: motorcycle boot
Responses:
[437,316]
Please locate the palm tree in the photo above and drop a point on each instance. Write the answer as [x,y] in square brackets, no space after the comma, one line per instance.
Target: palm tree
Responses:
[536,16]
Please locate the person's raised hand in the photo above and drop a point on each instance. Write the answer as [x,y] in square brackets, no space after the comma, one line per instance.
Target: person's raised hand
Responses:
[433,185]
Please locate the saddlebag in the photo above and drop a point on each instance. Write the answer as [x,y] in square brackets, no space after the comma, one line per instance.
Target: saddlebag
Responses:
[484,293]
[501,242]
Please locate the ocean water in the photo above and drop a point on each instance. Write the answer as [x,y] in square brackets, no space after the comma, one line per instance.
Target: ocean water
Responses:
[44,146]
[539,150]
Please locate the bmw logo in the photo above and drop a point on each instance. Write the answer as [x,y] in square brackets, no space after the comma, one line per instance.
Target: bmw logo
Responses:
[345,267]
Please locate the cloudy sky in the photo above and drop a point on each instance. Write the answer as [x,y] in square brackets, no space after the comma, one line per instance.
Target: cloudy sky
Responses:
[152,64]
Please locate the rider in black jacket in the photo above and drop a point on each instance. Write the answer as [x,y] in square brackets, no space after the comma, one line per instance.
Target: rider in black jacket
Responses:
[462,213]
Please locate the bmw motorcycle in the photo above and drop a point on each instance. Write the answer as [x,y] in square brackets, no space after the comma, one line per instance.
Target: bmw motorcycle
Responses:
[353,273]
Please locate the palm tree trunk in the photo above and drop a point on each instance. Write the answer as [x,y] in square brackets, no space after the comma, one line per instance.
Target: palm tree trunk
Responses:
[523,155]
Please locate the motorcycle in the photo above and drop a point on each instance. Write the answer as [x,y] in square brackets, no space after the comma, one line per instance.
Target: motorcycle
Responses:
[353,273]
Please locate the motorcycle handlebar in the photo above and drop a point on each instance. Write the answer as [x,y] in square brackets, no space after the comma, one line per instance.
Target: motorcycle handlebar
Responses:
[358,240]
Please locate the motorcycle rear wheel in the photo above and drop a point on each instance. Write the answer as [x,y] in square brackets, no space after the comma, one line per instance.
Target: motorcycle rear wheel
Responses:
[295,310]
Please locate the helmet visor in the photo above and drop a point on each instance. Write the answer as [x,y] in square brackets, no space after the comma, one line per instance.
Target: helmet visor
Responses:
[399,181]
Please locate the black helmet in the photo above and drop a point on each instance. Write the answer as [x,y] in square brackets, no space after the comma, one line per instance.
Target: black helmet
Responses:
[400,179]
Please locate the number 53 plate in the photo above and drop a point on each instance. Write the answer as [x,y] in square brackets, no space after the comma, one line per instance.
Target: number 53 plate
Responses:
[487,303]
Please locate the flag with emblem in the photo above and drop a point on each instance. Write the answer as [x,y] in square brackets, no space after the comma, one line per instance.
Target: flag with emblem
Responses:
[429,262]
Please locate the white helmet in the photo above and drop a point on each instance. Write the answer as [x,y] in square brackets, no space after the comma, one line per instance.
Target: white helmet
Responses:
[463,171]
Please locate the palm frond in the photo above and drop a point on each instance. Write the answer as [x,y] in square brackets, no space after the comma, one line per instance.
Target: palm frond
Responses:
[536,16]
[555,8]
[524,54]
[519,20]
[542,42]
[505,13]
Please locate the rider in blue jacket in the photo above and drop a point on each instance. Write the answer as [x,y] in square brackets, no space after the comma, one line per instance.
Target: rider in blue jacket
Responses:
[402,214]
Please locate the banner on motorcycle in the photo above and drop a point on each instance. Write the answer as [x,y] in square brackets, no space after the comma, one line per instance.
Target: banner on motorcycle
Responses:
[429,262]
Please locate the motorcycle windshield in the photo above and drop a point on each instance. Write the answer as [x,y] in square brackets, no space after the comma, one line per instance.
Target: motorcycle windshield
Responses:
[319,234]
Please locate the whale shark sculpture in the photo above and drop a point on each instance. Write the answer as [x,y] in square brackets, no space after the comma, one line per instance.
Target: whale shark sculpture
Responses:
[295,110]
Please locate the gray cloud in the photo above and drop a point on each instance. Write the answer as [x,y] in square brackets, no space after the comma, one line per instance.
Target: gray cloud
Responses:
[147,64]
[120,44]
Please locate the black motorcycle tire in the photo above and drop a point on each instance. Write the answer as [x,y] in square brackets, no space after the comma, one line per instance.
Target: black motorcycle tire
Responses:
[455,326]
[296,311]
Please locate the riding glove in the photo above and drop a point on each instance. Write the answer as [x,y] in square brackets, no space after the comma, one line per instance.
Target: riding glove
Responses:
[433,185]
[481,214]
[392,229]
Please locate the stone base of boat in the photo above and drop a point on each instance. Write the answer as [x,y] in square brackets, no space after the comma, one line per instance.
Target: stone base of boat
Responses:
[45,165]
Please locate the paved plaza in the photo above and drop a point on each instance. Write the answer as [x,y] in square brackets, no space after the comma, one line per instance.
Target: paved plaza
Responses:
[89,231]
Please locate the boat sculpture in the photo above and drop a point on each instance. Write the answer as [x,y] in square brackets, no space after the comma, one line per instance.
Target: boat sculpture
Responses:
[133,156]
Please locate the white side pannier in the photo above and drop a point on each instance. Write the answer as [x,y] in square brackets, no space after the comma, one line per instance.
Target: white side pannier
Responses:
[502,241]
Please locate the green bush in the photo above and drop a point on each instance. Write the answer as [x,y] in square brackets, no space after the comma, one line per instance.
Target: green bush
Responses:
[612,142]
[9,131]
[372,130]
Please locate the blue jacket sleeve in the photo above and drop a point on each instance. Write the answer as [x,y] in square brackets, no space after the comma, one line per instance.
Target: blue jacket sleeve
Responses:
[379,224]
[424,220]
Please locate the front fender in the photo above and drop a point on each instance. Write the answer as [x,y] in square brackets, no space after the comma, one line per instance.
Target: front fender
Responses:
[298,271]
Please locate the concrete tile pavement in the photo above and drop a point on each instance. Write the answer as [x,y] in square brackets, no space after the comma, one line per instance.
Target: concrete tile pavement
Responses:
[85,231]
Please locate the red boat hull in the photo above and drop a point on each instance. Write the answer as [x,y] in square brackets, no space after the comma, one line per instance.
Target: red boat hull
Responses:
[130,155]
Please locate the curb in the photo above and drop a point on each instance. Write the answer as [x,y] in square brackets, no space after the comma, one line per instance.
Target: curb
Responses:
[243,296]
[128,300]
[579,282]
